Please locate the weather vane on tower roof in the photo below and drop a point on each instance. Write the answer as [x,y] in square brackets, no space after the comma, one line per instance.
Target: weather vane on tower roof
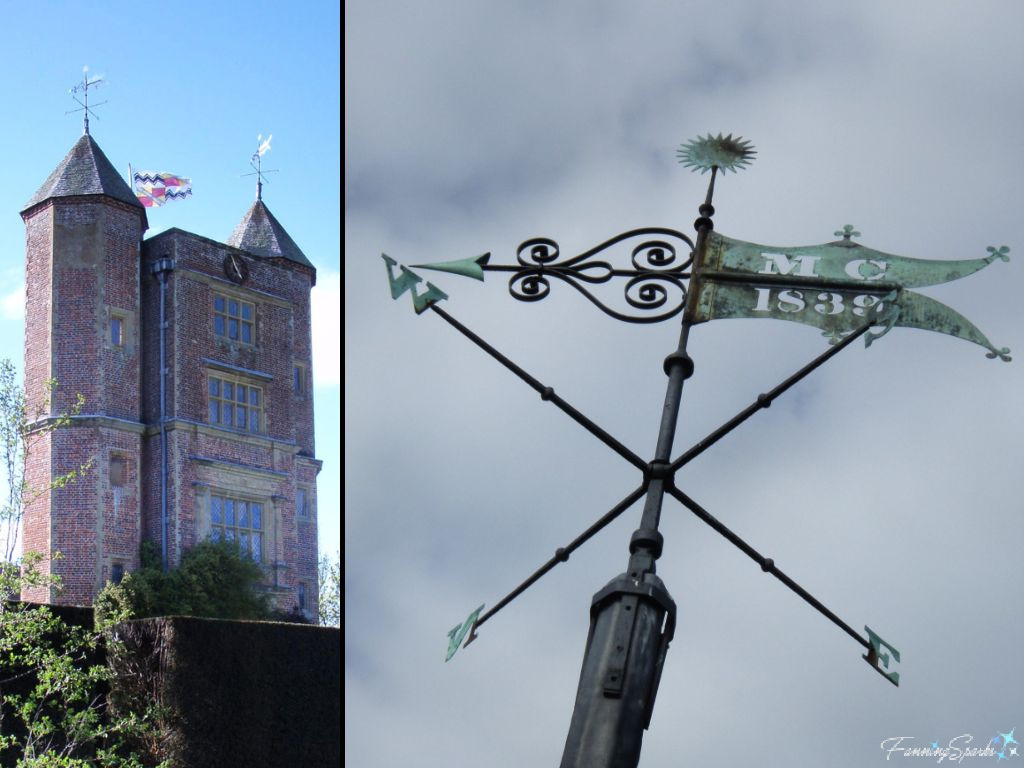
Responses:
[256,161]
[83,88]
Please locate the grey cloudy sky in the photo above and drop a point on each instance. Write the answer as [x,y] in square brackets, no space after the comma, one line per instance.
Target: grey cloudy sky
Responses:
[888,483]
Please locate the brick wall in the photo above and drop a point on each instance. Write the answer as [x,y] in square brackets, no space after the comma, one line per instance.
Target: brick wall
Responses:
[207,459]
[86,266]
[82,268]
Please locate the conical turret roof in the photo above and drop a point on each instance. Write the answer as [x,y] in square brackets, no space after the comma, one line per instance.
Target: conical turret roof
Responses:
[85,170]
[261,234]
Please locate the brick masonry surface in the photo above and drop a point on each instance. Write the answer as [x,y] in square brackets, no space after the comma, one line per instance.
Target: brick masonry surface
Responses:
[87,268]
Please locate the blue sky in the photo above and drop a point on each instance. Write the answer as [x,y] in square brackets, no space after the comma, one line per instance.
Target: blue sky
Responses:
[887,483]
[188,88]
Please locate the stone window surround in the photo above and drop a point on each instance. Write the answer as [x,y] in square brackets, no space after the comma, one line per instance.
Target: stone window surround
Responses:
[248,486]
[127,321]
[306,511]
[300,379]
[226,317]
[252,384]
[255,521]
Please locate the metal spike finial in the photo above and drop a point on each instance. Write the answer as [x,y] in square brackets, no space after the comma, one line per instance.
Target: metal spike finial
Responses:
[256,161]
[83,88]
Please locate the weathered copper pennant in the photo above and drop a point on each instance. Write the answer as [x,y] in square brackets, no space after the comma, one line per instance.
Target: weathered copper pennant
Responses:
[834,287]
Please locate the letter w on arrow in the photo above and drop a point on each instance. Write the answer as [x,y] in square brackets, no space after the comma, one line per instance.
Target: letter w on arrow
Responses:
[406,281]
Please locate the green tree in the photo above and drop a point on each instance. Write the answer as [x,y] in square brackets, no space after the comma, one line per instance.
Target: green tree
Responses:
[21,429]
[53,711]
[213,580]
[330,590]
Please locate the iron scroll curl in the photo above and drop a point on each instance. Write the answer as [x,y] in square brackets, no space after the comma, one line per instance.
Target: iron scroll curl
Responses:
[655,282]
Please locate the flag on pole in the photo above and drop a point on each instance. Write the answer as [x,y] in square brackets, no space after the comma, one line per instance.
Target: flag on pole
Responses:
[264,147]
[155,189]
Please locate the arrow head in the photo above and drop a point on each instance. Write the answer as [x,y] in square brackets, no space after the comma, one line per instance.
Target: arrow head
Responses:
[471,267]
[879,659]
[458,633]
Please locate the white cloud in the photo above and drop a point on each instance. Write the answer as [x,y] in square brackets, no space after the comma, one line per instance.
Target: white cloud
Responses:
[326,311]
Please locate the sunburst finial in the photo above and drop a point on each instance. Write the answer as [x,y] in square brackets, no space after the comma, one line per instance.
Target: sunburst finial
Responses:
[723,152]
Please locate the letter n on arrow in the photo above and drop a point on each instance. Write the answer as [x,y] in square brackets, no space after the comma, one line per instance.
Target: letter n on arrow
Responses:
[459,631]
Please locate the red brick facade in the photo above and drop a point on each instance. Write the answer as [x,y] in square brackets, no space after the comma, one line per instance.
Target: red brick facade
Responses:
[88,274]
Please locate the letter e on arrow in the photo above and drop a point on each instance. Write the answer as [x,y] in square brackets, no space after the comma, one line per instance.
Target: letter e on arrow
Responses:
[880,660]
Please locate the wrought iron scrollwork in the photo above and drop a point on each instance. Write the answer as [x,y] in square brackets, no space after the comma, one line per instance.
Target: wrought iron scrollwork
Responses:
[655,283]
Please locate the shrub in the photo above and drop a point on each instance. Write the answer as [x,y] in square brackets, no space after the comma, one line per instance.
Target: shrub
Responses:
[213,581]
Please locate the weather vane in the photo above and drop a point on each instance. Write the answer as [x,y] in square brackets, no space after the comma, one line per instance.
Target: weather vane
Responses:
[83,88]
[256,161]
[844,289]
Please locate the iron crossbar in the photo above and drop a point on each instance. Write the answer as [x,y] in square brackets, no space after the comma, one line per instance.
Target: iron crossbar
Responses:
[766,399]
[763,401]
[546,393]
[562,554]
[766,563]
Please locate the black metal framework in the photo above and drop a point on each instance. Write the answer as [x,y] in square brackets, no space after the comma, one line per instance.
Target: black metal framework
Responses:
[562,554]
[654,287]
[633,617]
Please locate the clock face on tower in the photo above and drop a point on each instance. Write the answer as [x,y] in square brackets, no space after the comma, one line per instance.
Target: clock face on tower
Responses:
[235,268]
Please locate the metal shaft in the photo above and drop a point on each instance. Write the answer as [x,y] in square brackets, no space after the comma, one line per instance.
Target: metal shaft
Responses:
[632,620]
[626,647]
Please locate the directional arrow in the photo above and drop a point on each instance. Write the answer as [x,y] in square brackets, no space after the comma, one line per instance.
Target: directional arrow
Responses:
[471,267]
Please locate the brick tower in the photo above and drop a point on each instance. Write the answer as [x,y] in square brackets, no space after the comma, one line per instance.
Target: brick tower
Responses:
[195,361]
[83,231]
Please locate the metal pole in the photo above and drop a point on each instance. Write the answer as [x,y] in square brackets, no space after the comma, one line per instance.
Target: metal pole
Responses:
[632,619]
[161,268]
